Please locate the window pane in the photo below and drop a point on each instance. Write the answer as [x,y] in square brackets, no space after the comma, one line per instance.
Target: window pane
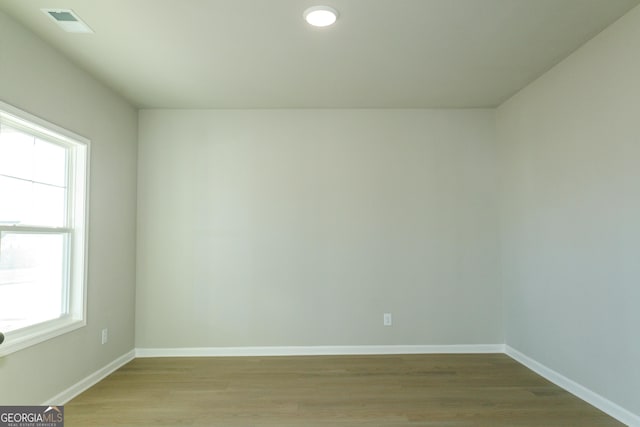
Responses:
[31,278]
[16,153]
[27,203]
[27,157]
[49,163]
[48,206]
[14,198]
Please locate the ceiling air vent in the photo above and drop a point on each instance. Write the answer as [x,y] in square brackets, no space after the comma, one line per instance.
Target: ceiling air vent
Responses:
[67,20]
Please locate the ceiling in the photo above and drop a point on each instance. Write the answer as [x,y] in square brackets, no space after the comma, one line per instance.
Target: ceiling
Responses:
[261,54]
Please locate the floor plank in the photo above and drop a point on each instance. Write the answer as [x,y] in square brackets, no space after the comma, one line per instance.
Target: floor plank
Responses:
[413,390]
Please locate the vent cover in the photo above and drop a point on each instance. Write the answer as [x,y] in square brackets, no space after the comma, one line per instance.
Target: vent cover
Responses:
[67,20]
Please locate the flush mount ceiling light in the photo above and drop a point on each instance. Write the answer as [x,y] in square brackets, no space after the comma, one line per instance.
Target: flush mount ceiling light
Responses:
[320,16]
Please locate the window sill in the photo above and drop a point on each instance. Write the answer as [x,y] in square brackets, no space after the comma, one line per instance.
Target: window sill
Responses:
[26,337]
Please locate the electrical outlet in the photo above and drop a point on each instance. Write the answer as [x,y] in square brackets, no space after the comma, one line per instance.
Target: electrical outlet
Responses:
[105,335]
[387,319]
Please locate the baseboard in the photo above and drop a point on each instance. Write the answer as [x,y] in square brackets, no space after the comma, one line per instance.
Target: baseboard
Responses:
[578,390]
[318,350]
[91,380]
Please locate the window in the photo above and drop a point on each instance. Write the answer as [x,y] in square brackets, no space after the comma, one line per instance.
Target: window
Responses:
[43,217]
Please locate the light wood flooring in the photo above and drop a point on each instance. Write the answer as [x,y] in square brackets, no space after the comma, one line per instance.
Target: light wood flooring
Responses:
[416,390]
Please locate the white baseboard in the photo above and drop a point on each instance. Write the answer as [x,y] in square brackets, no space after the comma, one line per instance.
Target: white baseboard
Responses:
[318,350]
[82,385]
[578,390]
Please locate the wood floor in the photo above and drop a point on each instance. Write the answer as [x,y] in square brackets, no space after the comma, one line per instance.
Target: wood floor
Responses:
[417,390]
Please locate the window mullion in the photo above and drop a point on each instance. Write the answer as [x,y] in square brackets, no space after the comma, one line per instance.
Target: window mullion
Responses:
[35,230]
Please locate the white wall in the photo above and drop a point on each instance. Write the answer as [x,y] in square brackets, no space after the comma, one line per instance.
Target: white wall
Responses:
[571,215]
[37,79]
[301,227]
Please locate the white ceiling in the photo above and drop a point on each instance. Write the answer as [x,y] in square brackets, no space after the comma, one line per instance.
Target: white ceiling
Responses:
[261,54]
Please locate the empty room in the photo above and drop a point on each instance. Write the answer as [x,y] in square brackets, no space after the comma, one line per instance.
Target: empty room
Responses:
[332,213]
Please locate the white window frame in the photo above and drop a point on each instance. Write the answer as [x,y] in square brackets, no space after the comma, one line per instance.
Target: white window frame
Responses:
[76,226]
